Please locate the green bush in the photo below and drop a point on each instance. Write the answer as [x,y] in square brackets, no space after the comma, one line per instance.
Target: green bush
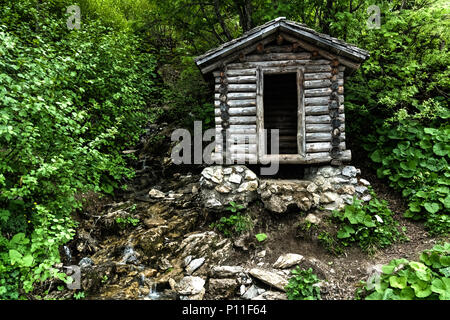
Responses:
[369,225]
[71,102]
[428,279]
[236,223]
[415,160]
[302,285]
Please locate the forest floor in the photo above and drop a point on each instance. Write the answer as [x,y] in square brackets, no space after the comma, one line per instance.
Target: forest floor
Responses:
[125,257]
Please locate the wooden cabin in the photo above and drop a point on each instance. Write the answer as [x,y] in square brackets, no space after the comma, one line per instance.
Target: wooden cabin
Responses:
[281,75]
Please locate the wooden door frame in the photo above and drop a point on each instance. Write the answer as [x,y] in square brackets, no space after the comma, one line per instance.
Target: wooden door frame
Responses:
[301,131]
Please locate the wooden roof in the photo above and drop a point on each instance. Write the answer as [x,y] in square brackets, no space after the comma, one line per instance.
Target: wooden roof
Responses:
[349,52]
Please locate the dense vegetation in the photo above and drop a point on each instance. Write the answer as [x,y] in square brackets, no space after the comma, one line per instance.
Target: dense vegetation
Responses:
[72,100]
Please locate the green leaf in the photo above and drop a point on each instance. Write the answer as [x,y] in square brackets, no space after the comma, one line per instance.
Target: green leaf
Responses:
[397,282]
[431,207]
[376,156]
[261,237]
[15,256]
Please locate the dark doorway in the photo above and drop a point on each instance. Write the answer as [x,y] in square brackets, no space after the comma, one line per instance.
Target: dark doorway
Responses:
[280,110]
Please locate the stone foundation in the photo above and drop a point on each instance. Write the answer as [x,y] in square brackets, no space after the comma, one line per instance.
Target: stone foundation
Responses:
[325,187]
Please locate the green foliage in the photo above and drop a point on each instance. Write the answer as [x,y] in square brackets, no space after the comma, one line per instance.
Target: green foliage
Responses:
[427,279]
[71,102]
[369,225]
[236,223]
[261,237]
[302,285]
[126,222]
[415,159]
[79,295]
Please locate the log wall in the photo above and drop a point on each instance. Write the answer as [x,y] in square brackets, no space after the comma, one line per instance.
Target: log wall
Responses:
[323,99]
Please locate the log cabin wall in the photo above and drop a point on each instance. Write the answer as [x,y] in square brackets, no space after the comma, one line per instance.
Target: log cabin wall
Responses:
[323,80]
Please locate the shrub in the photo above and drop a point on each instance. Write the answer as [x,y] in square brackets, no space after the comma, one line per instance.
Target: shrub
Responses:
[369,225]
[302,285]
[427,279]
[234,224]
[415,160]
[71,102]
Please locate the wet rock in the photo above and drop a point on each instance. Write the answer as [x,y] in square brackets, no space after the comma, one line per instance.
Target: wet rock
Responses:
[271,278]
[129,255]
[157,194]
[86,262]
[288,260]
[164,264]
[222,288]
[226,271]
[208,245]
[194,265]
[154,222]
[250,293]
[190,285]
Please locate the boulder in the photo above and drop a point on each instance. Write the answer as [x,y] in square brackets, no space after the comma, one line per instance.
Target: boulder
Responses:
[190,285]
[226,271]
[288,260]
[222,288]
[271,278]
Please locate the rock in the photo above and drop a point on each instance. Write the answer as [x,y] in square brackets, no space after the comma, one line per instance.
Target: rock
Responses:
[242,289]
[194,265]
[251,293]
[349,171]
[208,245]
[288,260]
[311,218]
[364,182]
[86,262]
[223,189]
[213,203]
[354,181]
[226,271]
[280,195]
[190,285]
[164,264]
[187,260]
[219,186]
[271,295]
[347,189]
[235,178]
[328,197]
[312,188]
[222,288]
[154,193]
[217,174]
[248,186]
[270,278]
[154,222]
[197,296]
[261,254]
[361,189]
[250,175]
[366,198]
